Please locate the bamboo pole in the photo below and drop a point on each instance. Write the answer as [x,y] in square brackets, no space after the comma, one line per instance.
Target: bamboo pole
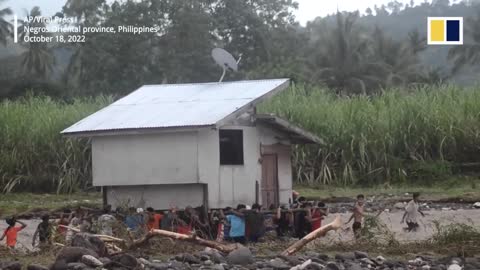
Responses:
[334,225]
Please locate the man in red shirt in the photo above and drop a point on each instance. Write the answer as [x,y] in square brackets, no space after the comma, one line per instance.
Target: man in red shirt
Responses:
[154,219]
[12,231]
[318,214]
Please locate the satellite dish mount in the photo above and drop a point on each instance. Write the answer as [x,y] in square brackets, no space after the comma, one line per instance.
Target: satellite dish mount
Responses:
[225,60]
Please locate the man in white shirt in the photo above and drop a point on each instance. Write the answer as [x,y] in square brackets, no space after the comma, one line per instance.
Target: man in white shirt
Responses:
[411,213]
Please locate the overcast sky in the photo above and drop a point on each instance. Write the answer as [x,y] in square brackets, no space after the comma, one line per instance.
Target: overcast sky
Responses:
[308,9]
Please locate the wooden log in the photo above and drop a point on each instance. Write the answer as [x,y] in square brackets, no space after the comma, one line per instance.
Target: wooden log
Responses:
[114,248]
[334,225]
[105,238]
[189,238]
[70,228]
[108,238]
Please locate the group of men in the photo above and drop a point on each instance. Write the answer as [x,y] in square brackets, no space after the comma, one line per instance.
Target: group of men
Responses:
[242,224]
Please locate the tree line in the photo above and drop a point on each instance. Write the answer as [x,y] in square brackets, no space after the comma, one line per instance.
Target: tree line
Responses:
[339,52]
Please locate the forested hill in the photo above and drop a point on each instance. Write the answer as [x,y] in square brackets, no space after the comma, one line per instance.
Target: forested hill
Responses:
[398,20]
[349,53]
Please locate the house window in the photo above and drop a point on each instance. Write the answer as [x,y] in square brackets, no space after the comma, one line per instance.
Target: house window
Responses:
[231,147]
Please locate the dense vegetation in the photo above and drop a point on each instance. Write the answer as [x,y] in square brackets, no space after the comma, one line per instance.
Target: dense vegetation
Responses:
[419,130]
[421,136]
[33,155]
[348,52]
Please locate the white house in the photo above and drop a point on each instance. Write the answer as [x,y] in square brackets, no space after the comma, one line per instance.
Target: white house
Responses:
[192,144]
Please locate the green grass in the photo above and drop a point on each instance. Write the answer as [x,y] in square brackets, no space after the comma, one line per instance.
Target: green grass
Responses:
[415,137]
[454,189]
[400,138]
[16,203]
[33,154]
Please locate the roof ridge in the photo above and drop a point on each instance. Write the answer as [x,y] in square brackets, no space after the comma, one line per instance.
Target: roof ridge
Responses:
[206,83]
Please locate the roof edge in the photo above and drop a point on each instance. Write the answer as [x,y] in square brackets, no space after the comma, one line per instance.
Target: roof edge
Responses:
[275,120]
[133,131]
[254,102]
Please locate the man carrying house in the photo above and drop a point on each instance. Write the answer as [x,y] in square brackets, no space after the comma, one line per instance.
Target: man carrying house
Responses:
[255,223]
[236,220]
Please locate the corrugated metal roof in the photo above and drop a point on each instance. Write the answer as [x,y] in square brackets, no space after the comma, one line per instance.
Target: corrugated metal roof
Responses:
[296,134]
[177,105]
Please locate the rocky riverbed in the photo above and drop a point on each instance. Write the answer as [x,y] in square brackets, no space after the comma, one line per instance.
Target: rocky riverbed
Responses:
[81,258]
[86,256]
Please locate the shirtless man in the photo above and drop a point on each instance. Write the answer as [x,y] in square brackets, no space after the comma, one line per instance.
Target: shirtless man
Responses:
[411,213]
[357,215]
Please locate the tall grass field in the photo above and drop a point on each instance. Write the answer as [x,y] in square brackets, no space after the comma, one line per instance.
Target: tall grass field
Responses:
[403,136]
[417,136]
[33,154]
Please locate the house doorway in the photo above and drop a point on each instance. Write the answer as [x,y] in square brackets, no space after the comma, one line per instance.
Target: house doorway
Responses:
[269,185]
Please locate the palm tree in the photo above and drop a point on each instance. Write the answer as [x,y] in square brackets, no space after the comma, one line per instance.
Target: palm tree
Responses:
[38,59]
[82,9]
[341,58]
[5,27]
[398,59]
[469,52]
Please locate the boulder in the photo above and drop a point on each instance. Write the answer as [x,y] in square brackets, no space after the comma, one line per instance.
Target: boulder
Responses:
[217,267]
[91,242]
[476,205]
[438,267]
[105,260]
[91,261]
[36,267]
[240,256]
[367,261]
[59,265]
[454,267]
[144,262]
[308,265]
[353,266]
[187,258]
[332,266]
[74,254]
[278,264]
[159,266]
[350,256]
[14,265]
[360,255]
[124,260]
[314,266]
[292,260]
[324,257]
[380,260]
[77,266]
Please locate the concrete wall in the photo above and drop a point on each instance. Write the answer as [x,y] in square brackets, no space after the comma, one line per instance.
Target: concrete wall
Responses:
[145,159]
[187,158]
[156,196]
[229,185]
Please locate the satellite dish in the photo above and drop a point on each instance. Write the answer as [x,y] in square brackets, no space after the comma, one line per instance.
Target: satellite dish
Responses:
[225,60]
